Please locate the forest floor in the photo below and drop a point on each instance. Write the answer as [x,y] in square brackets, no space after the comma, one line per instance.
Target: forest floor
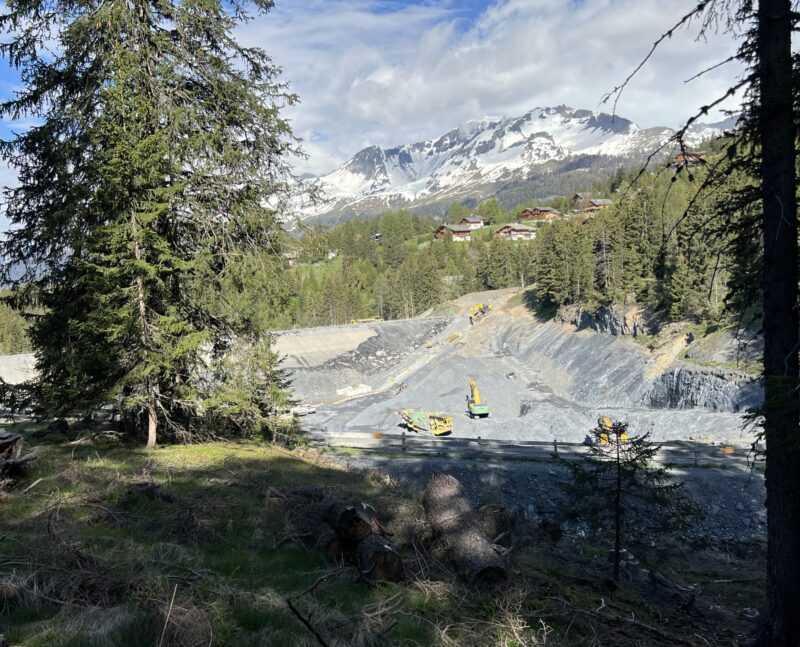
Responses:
[107,545]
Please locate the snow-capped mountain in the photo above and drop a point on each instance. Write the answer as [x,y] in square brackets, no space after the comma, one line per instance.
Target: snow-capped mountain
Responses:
[545,151]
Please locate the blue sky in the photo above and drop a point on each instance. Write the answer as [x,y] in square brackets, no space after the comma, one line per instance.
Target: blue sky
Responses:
[390,72]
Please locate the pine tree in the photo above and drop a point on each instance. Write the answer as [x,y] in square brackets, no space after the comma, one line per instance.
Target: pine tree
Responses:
[616,490]
[144,185]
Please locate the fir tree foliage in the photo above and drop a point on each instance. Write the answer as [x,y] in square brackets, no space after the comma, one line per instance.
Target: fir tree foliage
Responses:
[619,493]
[153,176]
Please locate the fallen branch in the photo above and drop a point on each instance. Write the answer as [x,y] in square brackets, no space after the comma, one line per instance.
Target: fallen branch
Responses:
[307,624]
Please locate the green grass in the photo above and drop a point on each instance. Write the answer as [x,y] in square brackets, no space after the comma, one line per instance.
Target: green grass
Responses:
[207,543]
[85,560]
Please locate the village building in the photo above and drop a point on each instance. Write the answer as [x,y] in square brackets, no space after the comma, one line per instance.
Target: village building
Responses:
[580,201]
[540,214]
[459,233]
[516,231]
[687,160]
[597,204]
[471,222]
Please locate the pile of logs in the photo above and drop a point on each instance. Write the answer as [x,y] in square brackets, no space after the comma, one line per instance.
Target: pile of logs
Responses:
[352,531]
[470,549]
[13,461]
[343,530]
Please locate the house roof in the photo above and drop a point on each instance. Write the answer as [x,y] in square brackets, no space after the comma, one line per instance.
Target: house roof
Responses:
[582,196]
[456,229]
[544,209]
[601,202]
[471,219]
[517,227]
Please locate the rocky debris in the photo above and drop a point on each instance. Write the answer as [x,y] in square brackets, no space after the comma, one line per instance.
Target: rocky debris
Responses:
[393,342]
[686,387]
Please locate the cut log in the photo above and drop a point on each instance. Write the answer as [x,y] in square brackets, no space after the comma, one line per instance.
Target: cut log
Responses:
[330,543]
[453,518]
[349,520]
[378,560]
[495,520]
[10,445]
[12,461]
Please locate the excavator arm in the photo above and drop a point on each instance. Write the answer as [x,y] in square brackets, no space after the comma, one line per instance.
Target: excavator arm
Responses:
[475,394]
[476,408]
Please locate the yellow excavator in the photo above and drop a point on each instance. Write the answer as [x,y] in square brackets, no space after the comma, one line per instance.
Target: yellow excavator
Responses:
[608,432]
[475,406]
[479,310]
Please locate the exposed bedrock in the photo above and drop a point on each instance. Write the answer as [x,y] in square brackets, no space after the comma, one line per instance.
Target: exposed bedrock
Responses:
[687,387]
[612,319]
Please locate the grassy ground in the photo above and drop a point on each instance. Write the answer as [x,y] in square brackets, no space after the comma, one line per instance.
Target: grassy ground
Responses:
[179,546]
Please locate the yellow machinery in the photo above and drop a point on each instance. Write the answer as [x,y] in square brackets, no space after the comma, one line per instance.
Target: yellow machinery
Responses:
[439,424]
[475,407]
[607,431]
[478,310]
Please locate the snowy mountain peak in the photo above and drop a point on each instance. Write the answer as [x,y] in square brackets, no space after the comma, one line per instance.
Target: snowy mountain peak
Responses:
[483,157]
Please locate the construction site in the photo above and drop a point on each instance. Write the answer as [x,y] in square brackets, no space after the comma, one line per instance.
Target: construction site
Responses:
[542,384]
[543,380]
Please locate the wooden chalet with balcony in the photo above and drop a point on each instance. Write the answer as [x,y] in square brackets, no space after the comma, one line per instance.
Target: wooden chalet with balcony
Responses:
[516,231]
[459,233]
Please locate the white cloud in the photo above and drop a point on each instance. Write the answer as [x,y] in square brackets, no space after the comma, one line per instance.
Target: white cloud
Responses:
[373,72]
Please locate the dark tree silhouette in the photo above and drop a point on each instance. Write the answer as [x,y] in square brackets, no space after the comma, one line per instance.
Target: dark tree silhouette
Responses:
[764,145]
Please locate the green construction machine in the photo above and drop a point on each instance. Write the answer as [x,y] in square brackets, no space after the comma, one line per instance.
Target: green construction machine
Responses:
[438,424]
[475,406]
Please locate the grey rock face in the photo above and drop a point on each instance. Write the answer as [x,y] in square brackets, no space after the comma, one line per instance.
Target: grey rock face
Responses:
[687,387]
[611,320]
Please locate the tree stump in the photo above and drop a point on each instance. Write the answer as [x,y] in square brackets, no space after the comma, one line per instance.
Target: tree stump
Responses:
[378,560]
[352,522]
[453,518]
[495,519]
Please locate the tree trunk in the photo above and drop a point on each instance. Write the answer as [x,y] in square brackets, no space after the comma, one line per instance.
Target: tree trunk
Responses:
[452,517]
[354,522]
[152,426]
[781,623]
[378,560]
[617,513]
[495,520]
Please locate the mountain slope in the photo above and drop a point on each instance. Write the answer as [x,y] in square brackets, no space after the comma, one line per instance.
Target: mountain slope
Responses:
[545,151]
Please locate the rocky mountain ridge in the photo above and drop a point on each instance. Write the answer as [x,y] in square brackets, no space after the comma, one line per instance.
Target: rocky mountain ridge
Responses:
[547,150]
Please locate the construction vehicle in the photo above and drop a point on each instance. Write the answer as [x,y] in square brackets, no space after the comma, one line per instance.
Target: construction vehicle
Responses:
[437,423]
[475,406]
[479,310]
[609,431]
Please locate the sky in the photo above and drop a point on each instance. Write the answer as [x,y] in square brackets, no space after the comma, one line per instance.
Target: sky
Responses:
[395,72]
[390,72]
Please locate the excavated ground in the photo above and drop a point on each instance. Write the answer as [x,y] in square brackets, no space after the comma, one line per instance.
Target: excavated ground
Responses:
[543,380]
